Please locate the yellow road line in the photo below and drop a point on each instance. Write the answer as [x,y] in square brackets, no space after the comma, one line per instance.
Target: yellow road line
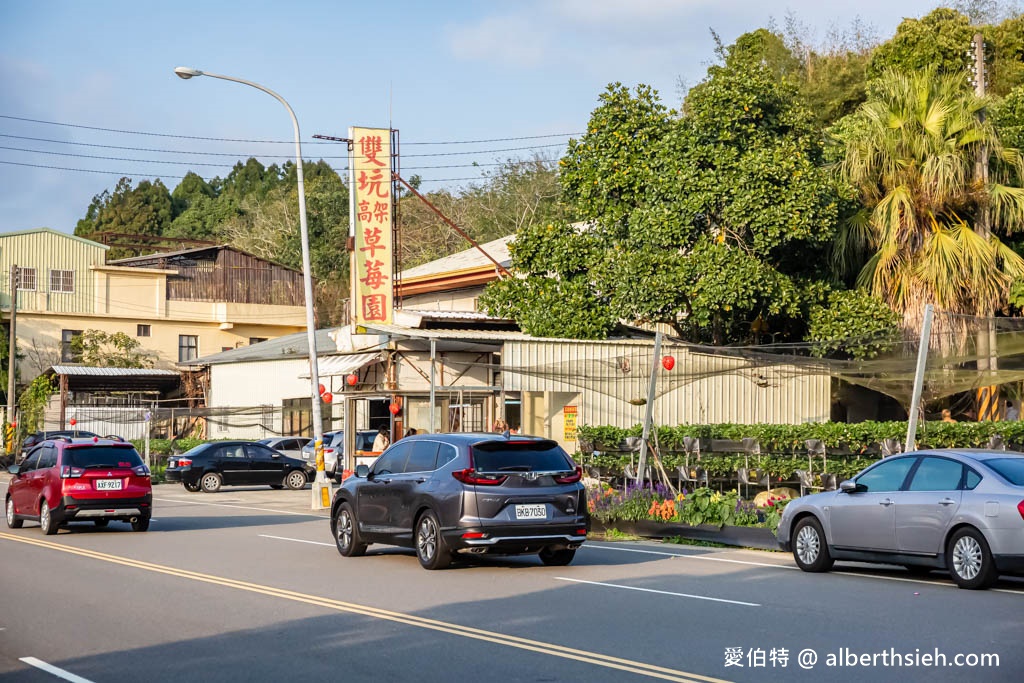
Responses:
[541,647]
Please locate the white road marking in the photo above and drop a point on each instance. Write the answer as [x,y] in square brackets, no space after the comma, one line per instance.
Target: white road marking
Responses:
[296,540]
[651,590]
[240,507]
[50,669]
[851,572]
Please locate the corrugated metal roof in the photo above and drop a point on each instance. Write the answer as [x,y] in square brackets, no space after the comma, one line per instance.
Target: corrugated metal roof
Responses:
[333,366]
[470,258]
[87,371]
[288,346]
[482,335]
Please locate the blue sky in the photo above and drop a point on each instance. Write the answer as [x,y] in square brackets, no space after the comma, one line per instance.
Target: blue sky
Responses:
[442,71]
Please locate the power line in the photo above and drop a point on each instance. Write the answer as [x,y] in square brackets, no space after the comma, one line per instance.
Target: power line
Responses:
[271,142]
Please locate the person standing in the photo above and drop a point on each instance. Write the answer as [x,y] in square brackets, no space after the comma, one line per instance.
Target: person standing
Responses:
[382,440]
[1012,411]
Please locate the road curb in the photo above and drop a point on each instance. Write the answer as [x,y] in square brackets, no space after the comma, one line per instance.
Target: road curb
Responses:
[739,536]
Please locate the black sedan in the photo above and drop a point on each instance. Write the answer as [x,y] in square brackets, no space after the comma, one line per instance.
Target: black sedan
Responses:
[236,463]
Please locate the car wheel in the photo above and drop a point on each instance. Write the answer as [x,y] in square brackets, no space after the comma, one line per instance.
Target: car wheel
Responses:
[809,547]
[101,523]
[191,487]
[346,532]
[557,558]
[430,548]
[969,559]
[295,480]
[211,482]
[13,521]
[141,524]
[46,519]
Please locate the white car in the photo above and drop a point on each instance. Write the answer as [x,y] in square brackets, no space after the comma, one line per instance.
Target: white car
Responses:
[287,445]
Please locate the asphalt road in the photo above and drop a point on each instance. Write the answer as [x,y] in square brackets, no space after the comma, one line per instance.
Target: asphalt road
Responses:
[245,585]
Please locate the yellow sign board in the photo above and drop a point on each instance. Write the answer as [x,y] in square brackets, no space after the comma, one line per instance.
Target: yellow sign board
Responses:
[569,423]
[372,212]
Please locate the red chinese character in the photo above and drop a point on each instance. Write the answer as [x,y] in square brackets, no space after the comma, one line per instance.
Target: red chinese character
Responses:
[373,182]
[374,278]
[382,211]
[374,307]
[364,211]
[370,146]
[372,239]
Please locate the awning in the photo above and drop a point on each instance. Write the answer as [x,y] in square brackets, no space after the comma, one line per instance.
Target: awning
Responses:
[334,366]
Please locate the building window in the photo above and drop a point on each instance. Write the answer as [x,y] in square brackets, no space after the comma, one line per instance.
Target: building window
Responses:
[27,279]
[62,281]
[188,347]
[143,331]
[256,340]
[68,355]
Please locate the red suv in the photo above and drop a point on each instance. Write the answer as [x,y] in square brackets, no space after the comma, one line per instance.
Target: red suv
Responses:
[65,480]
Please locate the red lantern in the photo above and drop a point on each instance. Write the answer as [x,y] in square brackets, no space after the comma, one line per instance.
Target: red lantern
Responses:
[395,408]
[73,422]
[327,397]
[668,362]
[352,379]
[322,389]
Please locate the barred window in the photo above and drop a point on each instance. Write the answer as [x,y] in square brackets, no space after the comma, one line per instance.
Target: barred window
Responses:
[62,281]
[27,281]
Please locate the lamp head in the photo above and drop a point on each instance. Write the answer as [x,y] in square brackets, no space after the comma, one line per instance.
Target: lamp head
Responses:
[187,73]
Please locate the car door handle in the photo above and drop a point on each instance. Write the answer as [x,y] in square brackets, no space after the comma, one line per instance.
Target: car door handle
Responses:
[946,501]
[887,502]
[421,480]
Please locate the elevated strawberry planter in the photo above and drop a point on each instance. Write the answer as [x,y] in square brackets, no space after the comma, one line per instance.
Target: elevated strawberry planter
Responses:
[740,536]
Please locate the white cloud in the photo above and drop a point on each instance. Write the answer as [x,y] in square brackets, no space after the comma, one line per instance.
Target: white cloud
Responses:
[506,39]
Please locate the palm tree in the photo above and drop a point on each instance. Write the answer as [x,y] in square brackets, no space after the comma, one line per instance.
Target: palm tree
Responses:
[912,154]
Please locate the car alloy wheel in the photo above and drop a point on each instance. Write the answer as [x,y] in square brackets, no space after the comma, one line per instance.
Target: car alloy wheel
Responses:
[295,480]
[969,560]
[191,487]
[46,519]
[12,517]
[346,535]
[810,549]
[429,545]
[808,544]
[210,482]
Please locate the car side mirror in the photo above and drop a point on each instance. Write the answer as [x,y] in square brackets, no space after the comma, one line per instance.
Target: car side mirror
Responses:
[362,471]
[14,469]
[850,486]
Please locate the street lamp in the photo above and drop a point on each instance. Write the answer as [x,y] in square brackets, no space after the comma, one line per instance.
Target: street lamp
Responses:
[320,483]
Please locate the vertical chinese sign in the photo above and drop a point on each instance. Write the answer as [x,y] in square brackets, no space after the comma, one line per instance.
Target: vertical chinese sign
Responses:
[569,423]
[372,204]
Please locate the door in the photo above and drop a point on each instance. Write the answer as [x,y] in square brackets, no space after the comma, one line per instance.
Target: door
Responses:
[372,497]
[22,492]
[866,519]
[408,488]
[232,464]
[266,466]
[925,510]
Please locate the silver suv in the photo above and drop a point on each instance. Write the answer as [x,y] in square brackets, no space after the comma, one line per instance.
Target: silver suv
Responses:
[447,494]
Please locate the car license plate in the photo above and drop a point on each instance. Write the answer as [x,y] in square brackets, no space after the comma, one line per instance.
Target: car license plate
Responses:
[531,511]
[108,484]
[171,463]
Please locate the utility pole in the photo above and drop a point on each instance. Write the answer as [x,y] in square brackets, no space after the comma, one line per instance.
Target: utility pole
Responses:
[12,344]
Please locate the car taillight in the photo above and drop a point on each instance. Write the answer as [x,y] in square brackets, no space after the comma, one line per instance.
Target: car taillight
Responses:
[328,450]
[184,462]
[471,476]
[1020,509]
[71,472]
[571,478]
[141,471]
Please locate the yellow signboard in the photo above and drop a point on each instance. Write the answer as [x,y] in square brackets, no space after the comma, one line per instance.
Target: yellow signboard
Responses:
[372,211]
[569,423]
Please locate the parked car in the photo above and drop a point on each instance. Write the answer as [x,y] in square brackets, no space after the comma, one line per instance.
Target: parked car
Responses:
[34,438]
[334,445]
[211,465]
[287,445]
[66,480]
[446,494]
[961,510]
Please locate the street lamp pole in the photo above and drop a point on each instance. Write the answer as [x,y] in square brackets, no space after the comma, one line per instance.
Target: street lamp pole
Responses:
[320,487]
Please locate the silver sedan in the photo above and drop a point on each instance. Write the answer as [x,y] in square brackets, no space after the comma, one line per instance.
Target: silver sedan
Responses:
[958,509]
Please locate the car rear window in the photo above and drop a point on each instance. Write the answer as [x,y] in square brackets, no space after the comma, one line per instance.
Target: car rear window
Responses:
[521,456]
[1012,469]
[102,456]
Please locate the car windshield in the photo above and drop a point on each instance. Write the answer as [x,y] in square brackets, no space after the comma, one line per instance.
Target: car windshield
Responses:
[1012,469]
[103,456]
[520,456]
